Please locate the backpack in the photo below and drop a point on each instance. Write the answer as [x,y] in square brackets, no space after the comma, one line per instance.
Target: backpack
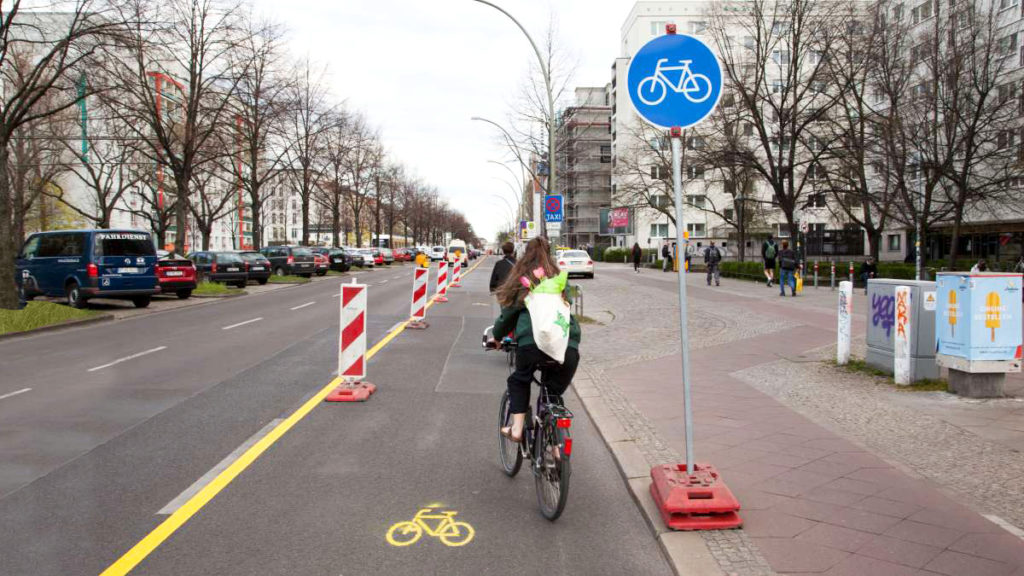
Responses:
[769,252]
[714,256]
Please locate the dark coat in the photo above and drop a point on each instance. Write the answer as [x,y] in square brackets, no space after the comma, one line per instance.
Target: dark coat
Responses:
[637,254]
[500,271]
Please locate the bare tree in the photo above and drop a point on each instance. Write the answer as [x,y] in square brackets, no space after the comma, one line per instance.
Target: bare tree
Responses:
[361,163]
[39,54]
[308,121]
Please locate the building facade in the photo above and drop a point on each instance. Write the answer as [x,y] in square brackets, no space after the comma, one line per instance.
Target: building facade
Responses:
[585,164]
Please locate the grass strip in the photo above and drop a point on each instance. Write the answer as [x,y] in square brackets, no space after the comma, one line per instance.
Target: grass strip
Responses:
[860,366]
[288,280]
[39,315]
[211,289]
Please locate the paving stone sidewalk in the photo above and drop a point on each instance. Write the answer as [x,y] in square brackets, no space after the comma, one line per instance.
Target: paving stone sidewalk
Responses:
[834,477]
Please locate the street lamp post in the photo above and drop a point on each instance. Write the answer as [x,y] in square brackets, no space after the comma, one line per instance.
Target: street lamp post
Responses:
[551,108]
[917,217]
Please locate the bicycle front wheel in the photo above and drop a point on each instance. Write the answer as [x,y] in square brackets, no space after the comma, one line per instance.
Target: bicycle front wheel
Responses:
[509,452]
[552,470]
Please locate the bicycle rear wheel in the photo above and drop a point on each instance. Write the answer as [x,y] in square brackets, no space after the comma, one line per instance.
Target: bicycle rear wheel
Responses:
[509,452]
[552,470]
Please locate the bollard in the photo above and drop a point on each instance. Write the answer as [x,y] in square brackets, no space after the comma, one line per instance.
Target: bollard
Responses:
[851,274]
[442,282]
[815,274]
[832,281]
[418,308]
[845,315]
[902,365]
[352,346]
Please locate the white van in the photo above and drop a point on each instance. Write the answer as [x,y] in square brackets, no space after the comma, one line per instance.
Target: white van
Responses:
[459,246]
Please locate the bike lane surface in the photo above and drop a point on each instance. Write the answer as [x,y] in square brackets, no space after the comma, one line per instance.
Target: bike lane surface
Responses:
[322,499]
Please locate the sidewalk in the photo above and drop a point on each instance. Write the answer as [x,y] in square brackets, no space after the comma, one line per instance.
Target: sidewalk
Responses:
[838,473]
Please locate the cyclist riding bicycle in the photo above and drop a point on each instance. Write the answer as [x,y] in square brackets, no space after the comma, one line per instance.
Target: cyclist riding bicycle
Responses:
[516,318]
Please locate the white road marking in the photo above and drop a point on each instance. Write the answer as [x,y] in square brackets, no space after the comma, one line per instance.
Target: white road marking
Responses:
[126,358]
[300,306]
[205,479]
[395,277]
[15,393]
[242,323]
[384,281]
[1005,525]
[337,295]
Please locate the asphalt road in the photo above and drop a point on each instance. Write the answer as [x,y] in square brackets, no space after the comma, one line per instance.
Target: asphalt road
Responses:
[106,445]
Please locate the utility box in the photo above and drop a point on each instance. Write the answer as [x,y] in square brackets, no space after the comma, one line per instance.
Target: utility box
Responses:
[881,321]
[979,322]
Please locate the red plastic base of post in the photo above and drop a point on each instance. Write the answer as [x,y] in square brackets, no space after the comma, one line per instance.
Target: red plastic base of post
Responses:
[440,299]
[351,392]
[417,325]
[700,501]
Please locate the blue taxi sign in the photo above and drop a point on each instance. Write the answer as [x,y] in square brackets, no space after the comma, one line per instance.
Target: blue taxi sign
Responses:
[674,80]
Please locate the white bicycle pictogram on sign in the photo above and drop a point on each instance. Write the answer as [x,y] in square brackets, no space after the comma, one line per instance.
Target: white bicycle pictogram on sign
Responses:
[694,87]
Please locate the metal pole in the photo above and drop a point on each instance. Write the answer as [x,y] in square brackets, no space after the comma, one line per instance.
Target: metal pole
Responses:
[815,274]
[832,281]
[917,217]
[677,187]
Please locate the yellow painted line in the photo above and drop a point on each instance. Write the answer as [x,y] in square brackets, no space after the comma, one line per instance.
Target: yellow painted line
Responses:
[158,535]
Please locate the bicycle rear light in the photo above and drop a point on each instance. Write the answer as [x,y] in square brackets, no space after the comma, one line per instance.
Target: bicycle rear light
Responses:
[567,447]
[563,422]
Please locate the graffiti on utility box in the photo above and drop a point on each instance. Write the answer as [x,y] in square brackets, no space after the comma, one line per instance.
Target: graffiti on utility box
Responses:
[882,312]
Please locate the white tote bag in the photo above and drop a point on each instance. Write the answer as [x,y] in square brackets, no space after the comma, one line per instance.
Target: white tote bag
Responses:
[549,314]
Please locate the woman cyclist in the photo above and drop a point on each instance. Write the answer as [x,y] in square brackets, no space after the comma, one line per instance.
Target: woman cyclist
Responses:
[515,317]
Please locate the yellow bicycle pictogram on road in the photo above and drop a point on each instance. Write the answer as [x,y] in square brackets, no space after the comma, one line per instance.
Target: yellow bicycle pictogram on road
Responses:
[449,531]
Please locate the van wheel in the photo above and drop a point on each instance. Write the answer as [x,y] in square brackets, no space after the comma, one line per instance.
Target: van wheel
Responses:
[73,292]
[141,301]
[184,294]
[262,281]
[278,271]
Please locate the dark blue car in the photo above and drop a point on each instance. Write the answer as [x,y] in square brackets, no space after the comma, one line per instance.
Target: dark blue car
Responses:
[83,264]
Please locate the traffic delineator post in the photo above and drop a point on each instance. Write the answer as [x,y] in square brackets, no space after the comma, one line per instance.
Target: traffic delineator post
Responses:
[457,273]
[352,347]
[697,501]
[418,309]
[442,282]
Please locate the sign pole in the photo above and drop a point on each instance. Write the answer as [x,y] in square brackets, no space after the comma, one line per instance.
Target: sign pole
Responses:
[677,189]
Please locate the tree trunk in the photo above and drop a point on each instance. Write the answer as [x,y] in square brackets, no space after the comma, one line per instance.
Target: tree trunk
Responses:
[305,218]
[874,243]
[358,228]
[257,224]
[8,247]
[181,216]
[205,230]
[954,247]
[336,224]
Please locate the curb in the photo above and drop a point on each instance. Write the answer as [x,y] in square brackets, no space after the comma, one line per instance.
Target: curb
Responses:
[215,296]
[105,317]
[686,552]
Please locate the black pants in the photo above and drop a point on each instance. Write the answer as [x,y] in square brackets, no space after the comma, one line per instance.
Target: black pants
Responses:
[557,379]
[636,264]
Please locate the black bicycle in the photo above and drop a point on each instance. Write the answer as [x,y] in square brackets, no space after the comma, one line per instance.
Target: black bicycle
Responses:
[546,443]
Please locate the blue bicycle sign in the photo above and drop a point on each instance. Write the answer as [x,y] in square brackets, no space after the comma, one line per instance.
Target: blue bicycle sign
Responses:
[674,80]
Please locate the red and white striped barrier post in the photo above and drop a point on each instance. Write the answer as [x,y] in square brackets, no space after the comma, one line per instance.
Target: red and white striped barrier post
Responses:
[418,309]
[352,347]
[457,273]
[442,282]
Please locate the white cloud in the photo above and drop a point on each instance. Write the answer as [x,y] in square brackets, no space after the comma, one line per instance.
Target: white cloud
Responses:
[420,69]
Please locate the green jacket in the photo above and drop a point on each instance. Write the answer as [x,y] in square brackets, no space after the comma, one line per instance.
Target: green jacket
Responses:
[517,318]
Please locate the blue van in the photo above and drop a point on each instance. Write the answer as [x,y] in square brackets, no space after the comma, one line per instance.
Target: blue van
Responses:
[83,264]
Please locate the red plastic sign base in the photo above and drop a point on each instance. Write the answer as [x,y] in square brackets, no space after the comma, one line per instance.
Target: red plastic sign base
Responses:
[417,325]
[700,501]
[351,392]
[440,299]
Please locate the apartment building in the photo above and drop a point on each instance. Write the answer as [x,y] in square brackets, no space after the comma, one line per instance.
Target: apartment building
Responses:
[585,164]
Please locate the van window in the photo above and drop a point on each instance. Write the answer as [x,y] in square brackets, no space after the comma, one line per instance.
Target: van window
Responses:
[301,252]
[31,248]
[123,244]
[56,245]
[227,258]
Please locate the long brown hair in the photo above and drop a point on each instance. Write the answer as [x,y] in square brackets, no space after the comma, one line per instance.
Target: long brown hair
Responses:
[537,255]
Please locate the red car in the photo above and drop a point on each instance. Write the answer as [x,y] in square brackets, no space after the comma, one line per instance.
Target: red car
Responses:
[403,255]
[175,275]
[323,263]
[378,257]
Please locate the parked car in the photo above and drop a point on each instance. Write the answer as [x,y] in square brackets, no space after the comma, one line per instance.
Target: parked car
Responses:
[322,262]
[290,260]
[437,253]
[257,266]
[216,266]
[175,274]
[84,264]
[457,246]
[387,255]
[369,258]
[576,262]
[337,259]
[358,258]
[403,255]
[378,258]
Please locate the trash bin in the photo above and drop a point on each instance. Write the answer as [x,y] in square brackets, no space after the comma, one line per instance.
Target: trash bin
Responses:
[881,321]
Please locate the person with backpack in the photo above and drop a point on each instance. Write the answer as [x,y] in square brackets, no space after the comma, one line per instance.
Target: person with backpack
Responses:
[768,252]
[712,258]
[666,258]
[526,275]
[638,255]
[788,265]
[502,268]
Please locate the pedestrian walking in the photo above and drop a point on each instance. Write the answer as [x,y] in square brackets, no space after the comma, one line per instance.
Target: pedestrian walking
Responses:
[688,251]
[788,265]
[638,254]
[666,258]
[768,252]
[868,270]
[502,268]
[712,259]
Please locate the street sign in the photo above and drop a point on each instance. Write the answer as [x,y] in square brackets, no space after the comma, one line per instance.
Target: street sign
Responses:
[528,230]
[553,208]
[674,80]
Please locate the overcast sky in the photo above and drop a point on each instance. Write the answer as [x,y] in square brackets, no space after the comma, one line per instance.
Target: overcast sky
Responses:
[419,69]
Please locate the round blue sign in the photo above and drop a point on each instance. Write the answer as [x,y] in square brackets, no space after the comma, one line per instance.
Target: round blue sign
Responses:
[674,80]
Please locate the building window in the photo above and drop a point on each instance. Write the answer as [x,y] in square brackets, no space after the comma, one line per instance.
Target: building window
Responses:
[921,12]
[748,129]
[696,230]
[659,230]
[606,154]
[1006,139]
[1007,92]
[698,27]
[658,172]
[1008,43]
[1004,4]
[780,28]
[729,213]
[815,172]
[780,57]
[295,234]
[816,200]
[695,143]
[659,201]
[697,200]
[894,242]
[658,27]
[778,85]
[695,172]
